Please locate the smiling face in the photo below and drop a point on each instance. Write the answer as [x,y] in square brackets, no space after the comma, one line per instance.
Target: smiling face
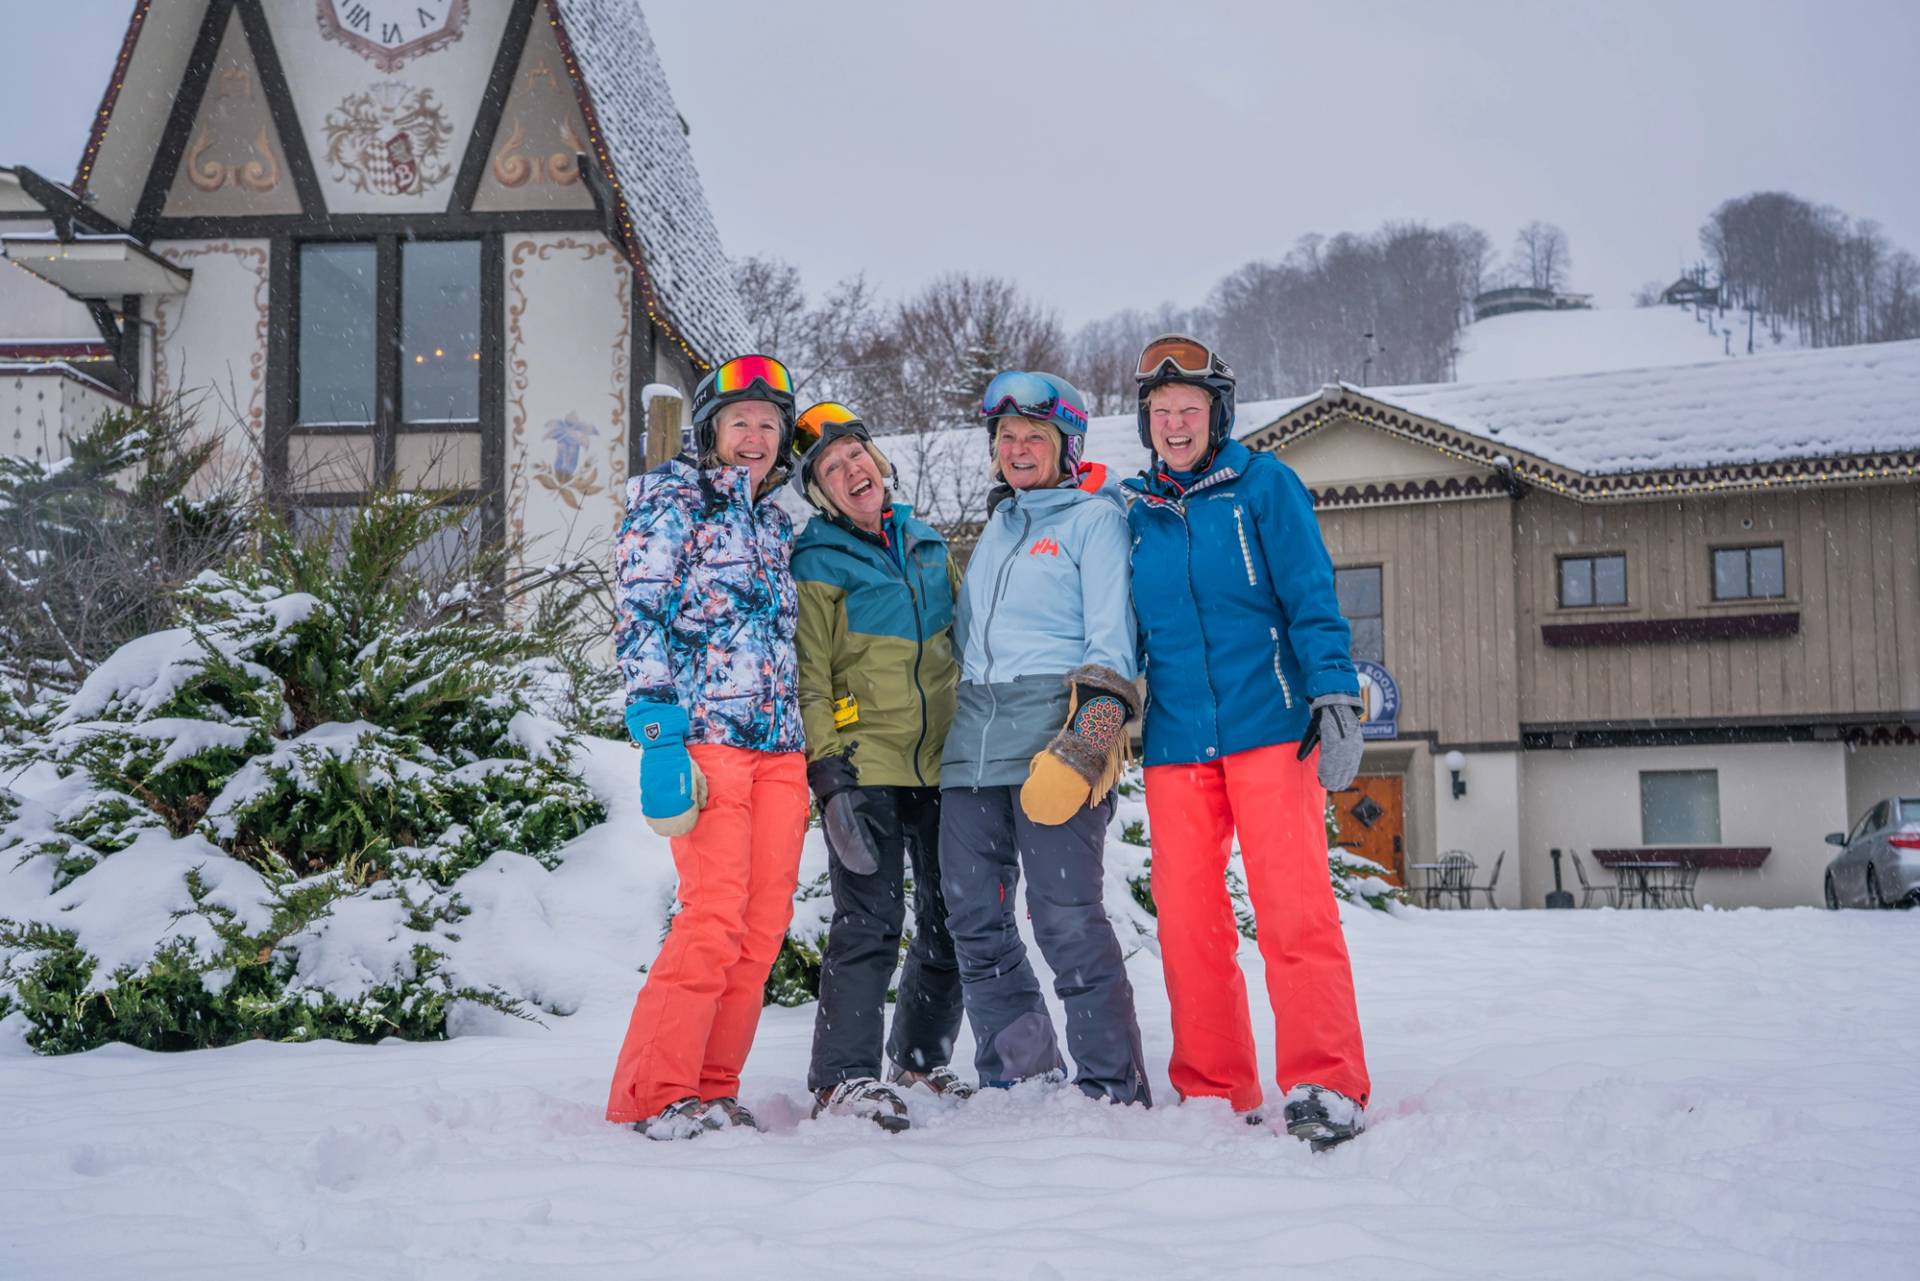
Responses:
[746,434]
[850,478]
[1177,417]
[1028,451]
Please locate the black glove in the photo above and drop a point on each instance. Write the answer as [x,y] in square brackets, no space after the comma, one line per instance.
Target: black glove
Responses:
[838,789]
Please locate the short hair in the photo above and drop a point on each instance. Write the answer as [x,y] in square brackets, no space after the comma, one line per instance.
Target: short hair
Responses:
[1205,391]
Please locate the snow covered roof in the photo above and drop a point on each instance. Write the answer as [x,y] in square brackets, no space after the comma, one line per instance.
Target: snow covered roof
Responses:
[654,179]
[1803,417]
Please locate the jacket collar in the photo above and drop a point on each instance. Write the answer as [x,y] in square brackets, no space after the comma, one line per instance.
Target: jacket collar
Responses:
[1229,461]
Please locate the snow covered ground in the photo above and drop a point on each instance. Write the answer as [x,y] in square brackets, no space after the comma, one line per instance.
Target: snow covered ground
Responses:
[1590,1094]
[1544,344]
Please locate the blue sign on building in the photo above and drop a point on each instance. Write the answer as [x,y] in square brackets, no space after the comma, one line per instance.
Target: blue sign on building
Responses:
[1380,694]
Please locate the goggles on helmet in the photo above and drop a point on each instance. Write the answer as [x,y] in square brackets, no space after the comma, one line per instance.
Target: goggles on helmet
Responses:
[1186,355]
[742,372]
[810,426]
[1031,395]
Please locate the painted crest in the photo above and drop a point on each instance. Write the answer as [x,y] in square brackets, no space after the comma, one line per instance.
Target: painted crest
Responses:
[392,138]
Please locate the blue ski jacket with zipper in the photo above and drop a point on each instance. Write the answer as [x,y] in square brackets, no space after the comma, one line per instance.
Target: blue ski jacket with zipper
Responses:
[1239,627]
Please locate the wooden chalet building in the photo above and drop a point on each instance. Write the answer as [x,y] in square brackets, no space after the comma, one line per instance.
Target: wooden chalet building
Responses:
[451,244]
[1670,610]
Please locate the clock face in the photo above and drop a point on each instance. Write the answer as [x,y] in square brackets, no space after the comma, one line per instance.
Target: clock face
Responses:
[389,32]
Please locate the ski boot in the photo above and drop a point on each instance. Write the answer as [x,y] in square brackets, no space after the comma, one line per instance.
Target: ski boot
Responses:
[686,1118]
[864,1096]
[1324,1118]
[942,1080]
[728,1112]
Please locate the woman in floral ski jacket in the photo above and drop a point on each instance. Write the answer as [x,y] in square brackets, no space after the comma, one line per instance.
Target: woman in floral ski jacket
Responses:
[707,607]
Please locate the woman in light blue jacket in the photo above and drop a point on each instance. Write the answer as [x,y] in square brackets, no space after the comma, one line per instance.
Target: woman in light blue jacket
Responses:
[1046,631]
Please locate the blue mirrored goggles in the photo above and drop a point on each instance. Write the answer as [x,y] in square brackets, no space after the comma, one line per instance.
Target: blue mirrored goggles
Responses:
[1030,395]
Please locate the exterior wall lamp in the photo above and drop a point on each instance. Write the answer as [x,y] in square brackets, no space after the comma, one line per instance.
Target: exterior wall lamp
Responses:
[1456,763]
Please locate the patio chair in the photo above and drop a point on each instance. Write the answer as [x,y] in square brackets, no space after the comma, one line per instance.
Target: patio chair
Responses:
[1488,888]
[1455,878]
[1607,894]
[1676,888]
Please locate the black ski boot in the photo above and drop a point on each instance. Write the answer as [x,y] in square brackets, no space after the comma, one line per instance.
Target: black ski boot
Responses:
[864,1096]
[1324,1118]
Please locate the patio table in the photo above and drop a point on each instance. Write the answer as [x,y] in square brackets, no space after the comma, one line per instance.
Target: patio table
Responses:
[1641,871]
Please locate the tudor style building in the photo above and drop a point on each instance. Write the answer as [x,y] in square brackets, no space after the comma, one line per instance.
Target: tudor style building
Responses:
[1668,614]
[451,244]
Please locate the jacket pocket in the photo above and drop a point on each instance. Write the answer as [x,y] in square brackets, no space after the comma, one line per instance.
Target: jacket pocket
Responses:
[1286,691]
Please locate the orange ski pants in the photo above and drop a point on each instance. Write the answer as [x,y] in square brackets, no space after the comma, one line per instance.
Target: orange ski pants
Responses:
[694,1019]
[1277,805]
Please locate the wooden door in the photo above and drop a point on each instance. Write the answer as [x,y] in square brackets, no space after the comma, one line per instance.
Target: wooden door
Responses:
[1372,818]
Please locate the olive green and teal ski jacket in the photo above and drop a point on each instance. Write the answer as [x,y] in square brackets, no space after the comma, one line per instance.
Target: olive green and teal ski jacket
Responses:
[875,644]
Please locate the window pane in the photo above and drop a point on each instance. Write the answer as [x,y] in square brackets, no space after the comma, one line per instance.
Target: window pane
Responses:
[1730,574]
[1359,591]
[336,333]
[1767,567]
[1576,581]
[440,331]
[1610,580]
[1369,639]
[1680,807]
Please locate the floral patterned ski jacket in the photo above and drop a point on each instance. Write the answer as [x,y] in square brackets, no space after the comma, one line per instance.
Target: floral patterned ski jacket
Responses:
[707,606]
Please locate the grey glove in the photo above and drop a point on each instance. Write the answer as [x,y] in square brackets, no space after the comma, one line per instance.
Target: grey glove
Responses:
[849,840]
[1335,729]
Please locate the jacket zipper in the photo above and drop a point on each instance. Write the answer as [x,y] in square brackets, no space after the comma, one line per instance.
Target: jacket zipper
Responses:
[1286,691]
[1246,556]
[919,650]
[986,631]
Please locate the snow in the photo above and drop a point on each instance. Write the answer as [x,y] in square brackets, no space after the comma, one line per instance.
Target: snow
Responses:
[1590,1094]
[1566,1094]
[1801,405]
[1545,344]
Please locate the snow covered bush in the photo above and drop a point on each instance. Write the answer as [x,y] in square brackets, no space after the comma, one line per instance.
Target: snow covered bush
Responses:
[254,824]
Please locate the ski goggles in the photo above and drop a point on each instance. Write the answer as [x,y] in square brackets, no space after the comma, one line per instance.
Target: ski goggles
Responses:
[809,427]
[1188,356]
[742,372]
[1030,395]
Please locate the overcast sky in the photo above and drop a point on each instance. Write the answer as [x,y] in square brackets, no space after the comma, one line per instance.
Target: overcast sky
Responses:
[1117,154]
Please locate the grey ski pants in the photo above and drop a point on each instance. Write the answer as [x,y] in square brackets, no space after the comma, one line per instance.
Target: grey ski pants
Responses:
[863,944]
[985,841]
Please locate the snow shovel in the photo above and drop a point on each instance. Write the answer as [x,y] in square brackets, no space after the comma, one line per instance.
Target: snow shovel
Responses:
[1560,897]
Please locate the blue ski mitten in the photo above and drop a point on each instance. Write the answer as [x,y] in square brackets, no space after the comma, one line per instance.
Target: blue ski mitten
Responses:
[672,789]
[1335,728]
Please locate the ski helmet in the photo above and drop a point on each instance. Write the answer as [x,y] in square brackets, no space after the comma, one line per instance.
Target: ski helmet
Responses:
[743,378]
[820,426]
[1176,358]
[1047,397]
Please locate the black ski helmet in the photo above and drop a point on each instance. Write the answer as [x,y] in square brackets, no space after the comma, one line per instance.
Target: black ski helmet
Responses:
[1177,358]
[743,378]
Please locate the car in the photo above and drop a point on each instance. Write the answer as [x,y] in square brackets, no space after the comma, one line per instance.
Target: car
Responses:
[1879,860]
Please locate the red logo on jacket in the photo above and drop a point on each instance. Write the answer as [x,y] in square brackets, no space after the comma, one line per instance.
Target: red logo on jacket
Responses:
[1044,547]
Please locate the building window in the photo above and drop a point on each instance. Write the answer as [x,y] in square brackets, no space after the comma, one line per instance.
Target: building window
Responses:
[388,351]
[1590,581]
[1360,602]
[1750,573]
[1680,807]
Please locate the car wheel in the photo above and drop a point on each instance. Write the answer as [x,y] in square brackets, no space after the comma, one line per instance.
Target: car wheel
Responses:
[1873,888]
[1833,899]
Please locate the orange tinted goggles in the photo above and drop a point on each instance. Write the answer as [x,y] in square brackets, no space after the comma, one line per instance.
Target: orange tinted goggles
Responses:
[1188,355]
[742,372]
[808,427]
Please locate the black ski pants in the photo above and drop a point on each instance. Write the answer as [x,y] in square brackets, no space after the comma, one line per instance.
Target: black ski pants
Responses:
[863,945]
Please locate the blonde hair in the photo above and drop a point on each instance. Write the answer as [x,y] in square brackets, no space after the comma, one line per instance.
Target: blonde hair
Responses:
[1053,438]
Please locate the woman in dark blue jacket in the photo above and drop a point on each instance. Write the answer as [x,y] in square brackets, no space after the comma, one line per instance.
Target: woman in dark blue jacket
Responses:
[1248,667]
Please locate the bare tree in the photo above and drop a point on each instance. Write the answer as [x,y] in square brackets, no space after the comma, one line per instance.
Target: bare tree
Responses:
[1540,255]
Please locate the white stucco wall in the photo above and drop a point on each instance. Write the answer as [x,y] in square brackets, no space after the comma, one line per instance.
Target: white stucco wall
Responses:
[1786,796]
[568,414]
[1875,773]
[210,345]
[1483,822]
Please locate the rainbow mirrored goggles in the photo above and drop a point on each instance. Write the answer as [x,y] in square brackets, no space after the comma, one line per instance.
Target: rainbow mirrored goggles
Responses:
[1032,395]
[810,426]
[739,375]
